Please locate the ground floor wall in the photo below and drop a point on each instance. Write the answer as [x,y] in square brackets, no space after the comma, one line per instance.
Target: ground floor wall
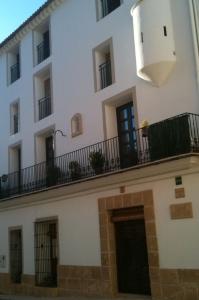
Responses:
[87,254]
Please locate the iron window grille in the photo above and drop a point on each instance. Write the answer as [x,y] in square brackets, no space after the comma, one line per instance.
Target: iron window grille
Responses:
[46,253]
[43,51]
[44,107]
[107,6]
[14,72]
[105,74]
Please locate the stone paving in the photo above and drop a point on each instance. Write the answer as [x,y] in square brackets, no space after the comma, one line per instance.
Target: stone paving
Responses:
[125,297]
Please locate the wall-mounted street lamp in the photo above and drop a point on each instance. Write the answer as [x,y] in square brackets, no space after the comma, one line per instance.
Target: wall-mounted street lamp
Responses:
[59,131]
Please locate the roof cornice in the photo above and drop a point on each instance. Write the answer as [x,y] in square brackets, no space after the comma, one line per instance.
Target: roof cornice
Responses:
[30,24]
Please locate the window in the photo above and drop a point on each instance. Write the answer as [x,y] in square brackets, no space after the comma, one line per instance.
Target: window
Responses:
[46,253]
[43,99]
[13,65]
[103,65]
[105,7]
[14,118]
[41,41]
[76,125]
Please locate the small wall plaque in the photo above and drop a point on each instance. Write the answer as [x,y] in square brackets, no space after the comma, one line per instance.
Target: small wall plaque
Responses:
[181,211]
[179,193]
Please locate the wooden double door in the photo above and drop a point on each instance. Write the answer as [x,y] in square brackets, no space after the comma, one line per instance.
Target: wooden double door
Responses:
[132,257]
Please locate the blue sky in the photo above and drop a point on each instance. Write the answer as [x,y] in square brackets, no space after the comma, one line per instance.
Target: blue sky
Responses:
[14,12]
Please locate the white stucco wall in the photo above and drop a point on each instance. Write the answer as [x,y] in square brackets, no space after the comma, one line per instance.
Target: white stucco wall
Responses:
[78,223]
[74,34]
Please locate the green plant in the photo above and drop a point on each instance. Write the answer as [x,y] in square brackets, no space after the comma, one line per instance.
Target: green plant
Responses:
[75,170]
[97,161]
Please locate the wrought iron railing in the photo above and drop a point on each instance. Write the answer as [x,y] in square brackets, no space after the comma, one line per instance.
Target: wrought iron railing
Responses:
[43,51]
[44,107]
[169,138]
[105,74]
[107,6]
[14,72]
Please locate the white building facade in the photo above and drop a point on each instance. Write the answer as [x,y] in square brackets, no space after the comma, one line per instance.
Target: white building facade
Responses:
[99,150]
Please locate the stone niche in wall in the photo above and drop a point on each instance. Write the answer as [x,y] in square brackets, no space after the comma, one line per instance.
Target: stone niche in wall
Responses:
[76,125]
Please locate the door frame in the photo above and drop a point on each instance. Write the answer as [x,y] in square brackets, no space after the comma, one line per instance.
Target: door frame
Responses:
[107,235]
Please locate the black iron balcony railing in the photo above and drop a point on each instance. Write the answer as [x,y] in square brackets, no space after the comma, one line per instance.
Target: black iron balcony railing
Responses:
[165,139]
[14,72]
[44,107]
[43,51]
[105,74]
[107,6]
[15,124]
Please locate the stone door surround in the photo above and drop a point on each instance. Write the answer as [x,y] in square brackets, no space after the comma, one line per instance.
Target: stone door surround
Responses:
[107,236]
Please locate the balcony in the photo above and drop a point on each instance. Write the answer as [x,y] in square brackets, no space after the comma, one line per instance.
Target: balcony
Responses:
[105,74]
[167,139]
[14,72]
[43,51]
[44,107]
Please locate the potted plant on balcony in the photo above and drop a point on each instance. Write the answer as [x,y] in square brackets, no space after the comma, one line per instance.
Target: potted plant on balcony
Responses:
[75,170]
[97,161]
[144,127]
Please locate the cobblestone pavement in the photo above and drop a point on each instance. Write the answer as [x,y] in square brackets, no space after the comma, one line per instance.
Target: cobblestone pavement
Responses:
[126,297]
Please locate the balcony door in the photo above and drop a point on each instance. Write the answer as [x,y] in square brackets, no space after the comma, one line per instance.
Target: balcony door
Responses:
[19,167]
[46,39]
[47,88]
[127,135]
[50,151]
[50,167]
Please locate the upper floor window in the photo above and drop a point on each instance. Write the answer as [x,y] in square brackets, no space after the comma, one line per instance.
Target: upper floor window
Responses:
[104,65]
[14,118]
[41,37]
[43,99]
[13,64]
[105,7]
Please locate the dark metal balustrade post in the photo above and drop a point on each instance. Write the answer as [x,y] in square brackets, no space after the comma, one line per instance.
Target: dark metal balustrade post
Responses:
[44,107]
